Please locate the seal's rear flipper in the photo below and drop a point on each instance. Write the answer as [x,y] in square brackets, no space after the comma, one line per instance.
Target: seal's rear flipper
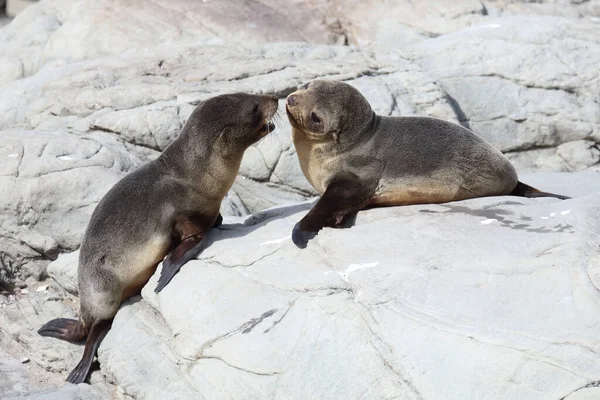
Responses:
[524,190]
[188,249]
[64,329]
[97,333]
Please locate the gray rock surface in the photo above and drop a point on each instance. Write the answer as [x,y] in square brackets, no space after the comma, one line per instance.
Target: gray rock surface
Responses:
[529,85]
[494,296]
[64,271]
[491,297]
[505,288]
[13,377]
[51,182]
[62,31]
[102,118]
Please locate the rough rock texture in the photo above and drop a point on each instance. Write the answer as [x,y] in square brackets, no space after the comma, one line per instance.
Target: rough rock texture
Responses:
[490,298]
[89,123]
[28,361]
[487,297]
[529,85]
[51,182]
[13,377]
[60,31]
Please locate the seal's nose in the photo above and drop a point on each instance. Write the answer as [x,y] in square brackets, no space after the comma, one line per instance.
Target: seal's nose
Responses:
[291,100]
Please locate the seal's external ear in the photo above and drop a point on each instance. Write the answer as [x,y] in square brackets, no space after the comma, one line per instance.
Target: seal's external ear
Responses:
[345,195]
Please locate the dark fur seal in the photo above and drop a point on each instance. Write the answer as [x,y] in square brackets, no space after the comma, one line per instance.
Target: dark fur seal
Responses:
[162,209]
[357,159]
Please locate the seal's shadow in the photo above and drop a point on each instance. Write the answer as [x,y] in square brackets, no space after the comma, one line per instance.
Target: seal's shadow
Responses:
[505,217]
[254,222]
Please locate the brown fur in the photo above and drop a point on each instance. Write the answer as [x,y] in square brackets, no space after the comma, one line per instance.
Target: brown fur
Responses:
[406,160]
[166,205]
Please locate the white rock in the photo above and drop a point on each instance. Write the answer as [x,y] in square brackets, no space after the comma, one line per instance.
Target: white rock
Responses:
[64,271]
[516,86]
[431,289]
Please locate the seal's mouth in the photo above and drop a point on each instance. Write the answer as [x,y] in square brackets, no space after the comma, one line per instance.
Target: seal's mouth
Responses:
[268,113]
[267,127]
[291,117]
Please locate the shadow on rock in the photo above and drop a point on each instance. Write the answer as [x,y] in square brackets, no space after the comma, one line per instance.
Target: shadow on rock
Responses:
[253,222]
[501,216]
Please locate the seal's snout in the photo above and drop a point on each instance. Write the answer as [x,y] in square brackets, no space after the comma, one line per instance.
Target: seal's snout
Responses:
[292,100]
[268,110]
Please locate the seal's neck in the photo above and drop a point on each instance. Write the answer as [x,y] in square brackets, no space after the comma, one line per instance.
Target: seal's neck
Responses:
[193,158]
[359,132]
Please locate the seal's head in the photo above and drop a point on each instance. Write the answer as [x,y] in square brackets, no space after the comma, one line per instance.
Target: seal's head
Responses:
[233,122]
[329,110]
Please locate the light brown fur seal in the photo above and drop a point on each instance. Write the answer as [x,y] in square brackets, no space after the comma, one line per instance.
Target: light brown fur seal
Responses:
[162,209]
[357,159]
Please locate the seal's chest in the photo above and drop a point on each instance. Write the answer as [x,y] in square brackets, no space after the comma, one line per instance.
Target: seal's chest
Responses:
[313,166]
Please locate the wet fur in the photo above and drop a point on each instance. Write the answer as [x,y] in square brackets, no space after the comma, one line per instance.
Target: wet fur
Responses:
[151,211]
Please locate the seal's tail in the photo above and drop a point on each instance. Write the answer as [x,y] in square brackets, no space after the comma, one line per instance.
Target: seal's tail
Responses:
[524,190]
[64,329]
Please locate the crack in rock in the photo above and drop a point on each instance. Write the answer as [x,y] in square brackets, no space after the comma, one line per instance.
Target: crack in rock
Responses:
[589,385]
[240,368]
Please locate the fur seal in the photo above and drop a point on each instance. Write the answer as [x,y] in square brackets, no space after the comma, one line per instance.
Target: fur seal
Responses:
[164,208]
[355,158]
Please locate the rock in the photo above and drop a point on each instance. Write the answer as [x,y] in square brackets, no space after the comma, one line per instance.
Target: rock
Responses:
[63,31]
[14,7]
[71,392]
[434,298]
[44,361]
[21,320]
[587,393]
[588,9]
[13,377]
[56,32]
[64,271]
[526,84]
[51,183]
[495,293]
[115,113]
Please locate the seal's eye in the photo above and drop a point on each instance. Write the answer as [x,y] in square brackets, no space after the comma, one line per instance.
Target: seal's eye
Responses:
[255,109]
[314,118]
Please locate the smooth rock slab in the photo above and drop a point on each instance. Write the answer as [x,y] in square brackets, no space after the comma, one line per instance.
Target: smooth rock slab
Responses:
[524,83]
[491,297]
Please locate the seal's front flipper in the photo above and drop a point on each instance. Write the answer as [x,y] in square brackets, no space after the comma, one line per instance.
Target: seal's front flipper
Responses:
[191,233]
[345,195]
[97,333]
[183,253]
